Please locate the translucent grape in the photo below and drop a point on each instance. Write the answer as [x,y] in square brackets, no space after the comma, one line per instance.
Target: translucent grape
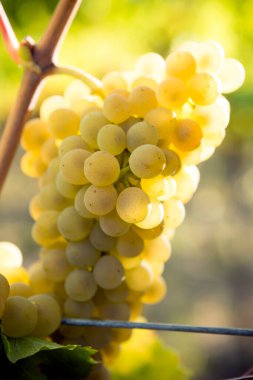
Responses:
[34,134]
[80,285]
[39,282]
[49,314]
[144,81]
[154,217]
[35,208]
[80,205]
[20,289]
[151,65]
[187,182]
[45,230]
[71,166]
[172,93]
[116,108]
[141,133]
[158,249]
[111,138]
[65,188]
[73,142]
[50,173]
[186,134]
[180,64]
[174,213]
[132,205]
[161,118]
[113,81]
[203,88]
[130,244]
[159,187]
[209,56]
[172,164]
[49,150]
[19,318]
[55,264]
[150,233]
[75,90]
[108,272]
[100,240]
[82,253]
[63,122]
[118,294]
[142,99]
[72,226]
[32,165]
[101,168]
[232,75]
[10,255]
[50,104]
[140,277]
[52,199]
[156,292]
[147,161]
[100,200]
[90,126]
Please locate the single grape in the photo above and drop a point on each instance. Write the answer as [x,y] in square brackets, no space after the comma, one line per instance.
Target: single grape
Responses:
[100,240]
[80,285]
[162,119]
[172,93]
[132,205]
[142,99]
[90,126]
[108,272]
[82,253]
[63,122]
[55,264]
[116,108]
[186,135]
[72,226]
[180,64]
[111,138]
[80,205]
[156,292]
[101,168]
[45,230]
[139,278]
[147,161]
[100,200]
[65,188]
[73,142]
[204,88]
[71,166]
[130,244]
[141,133]
[75,309]
[34,134]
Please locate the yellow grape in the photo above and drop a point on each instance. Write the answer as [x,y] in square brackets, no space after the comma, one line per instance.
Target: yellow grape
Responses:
[111,138]
[113,225]
[80,205]
[151,65]
[141,133]
[72,226]
[204,88]
[100,200]
[157,249]
[180,64]
[65,188]
[132,205]
[139,278]
[90,126]
[116,108]
[10,254]
[147,161]
[51,199]
[113,81]
[172,164]
[150,233]
[19,318]
[35,208]
[32,165]
[156,292]
[45,230]
[80,285]
[20,289]
[63,122]
[101,168]
[172,93]
[108,272]
[39,282]
[76,89]
[154,217]
[159,187]
[144,81]
[50,104]
[174,213]
[34,134]
[161,118]
[72,164]
[49,150]
[55,264]
[187,182]
[73,142]
[49,314]
[142,99]
[118,294]
[186,135]
[50,173]
[232,75]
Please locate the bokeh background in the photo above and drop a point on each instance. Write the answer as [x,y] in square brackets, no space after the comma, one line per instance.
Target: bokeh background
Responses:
[210,273]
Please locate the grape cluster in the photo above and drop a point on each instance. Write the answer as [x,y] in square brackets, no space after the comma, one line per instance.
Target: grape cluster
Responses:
[115,169]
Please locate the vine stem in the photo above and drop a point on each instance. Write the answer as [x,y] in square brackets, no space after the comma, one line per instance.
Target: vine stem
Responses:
[43,56]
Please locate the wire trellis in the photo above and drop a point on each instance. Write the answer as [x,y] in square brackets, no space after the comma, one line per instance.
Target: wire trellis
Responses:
[235,331]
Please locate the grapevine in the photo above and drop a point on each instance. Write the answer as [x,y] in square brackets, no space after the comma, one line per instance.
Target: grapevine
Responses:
[116,161]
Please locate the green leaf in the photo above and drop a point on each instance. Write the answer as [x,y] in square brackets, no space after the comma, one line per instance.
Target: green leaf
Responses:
[33,358]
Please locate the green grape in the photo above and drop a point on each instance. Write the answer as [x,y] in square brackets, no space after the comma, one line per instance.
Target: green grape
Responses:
[19,318]
[157,249]
[52,199]
[174,213]
[159,187]
[35,208]
[187,182]
[172,93]
[32,165]
[87,104]
[20,289]
[139,278]
[141,133]
[111,138]
[72,226]
[100,240]
[231,74]
[142,99]
[50,104]
[75,309]
[80,205]
[130,244]
[172,164]
[45,230]
[73,142]
[80,285]
[118,294]
[39,281]
[204,88]
[71,166]
[101,169]
[113,81]
[49,314]
[50,173]
[90,126]
[4,292]
[113,225]
[55,264]
[63,122]
[147,161]
[82,253]
[156,292]
[154,217]
[180,64]
[34,134]
[162,119]
[108,272]
[100,200]
[116,108]
[65,188]
[132,205]
[119,311]
[49,150]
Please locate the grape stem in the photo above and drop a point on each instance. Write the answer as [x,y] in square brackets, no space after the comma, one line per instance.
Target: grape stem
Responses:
[43,57]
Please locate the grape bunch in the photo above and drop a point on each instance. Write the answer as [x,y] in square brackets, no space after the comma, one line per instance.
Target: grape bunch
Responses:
[115,169]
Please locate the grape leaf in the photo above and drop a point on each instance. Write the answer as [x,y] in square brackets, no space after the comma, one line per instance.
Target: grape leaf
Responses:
[33,358]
